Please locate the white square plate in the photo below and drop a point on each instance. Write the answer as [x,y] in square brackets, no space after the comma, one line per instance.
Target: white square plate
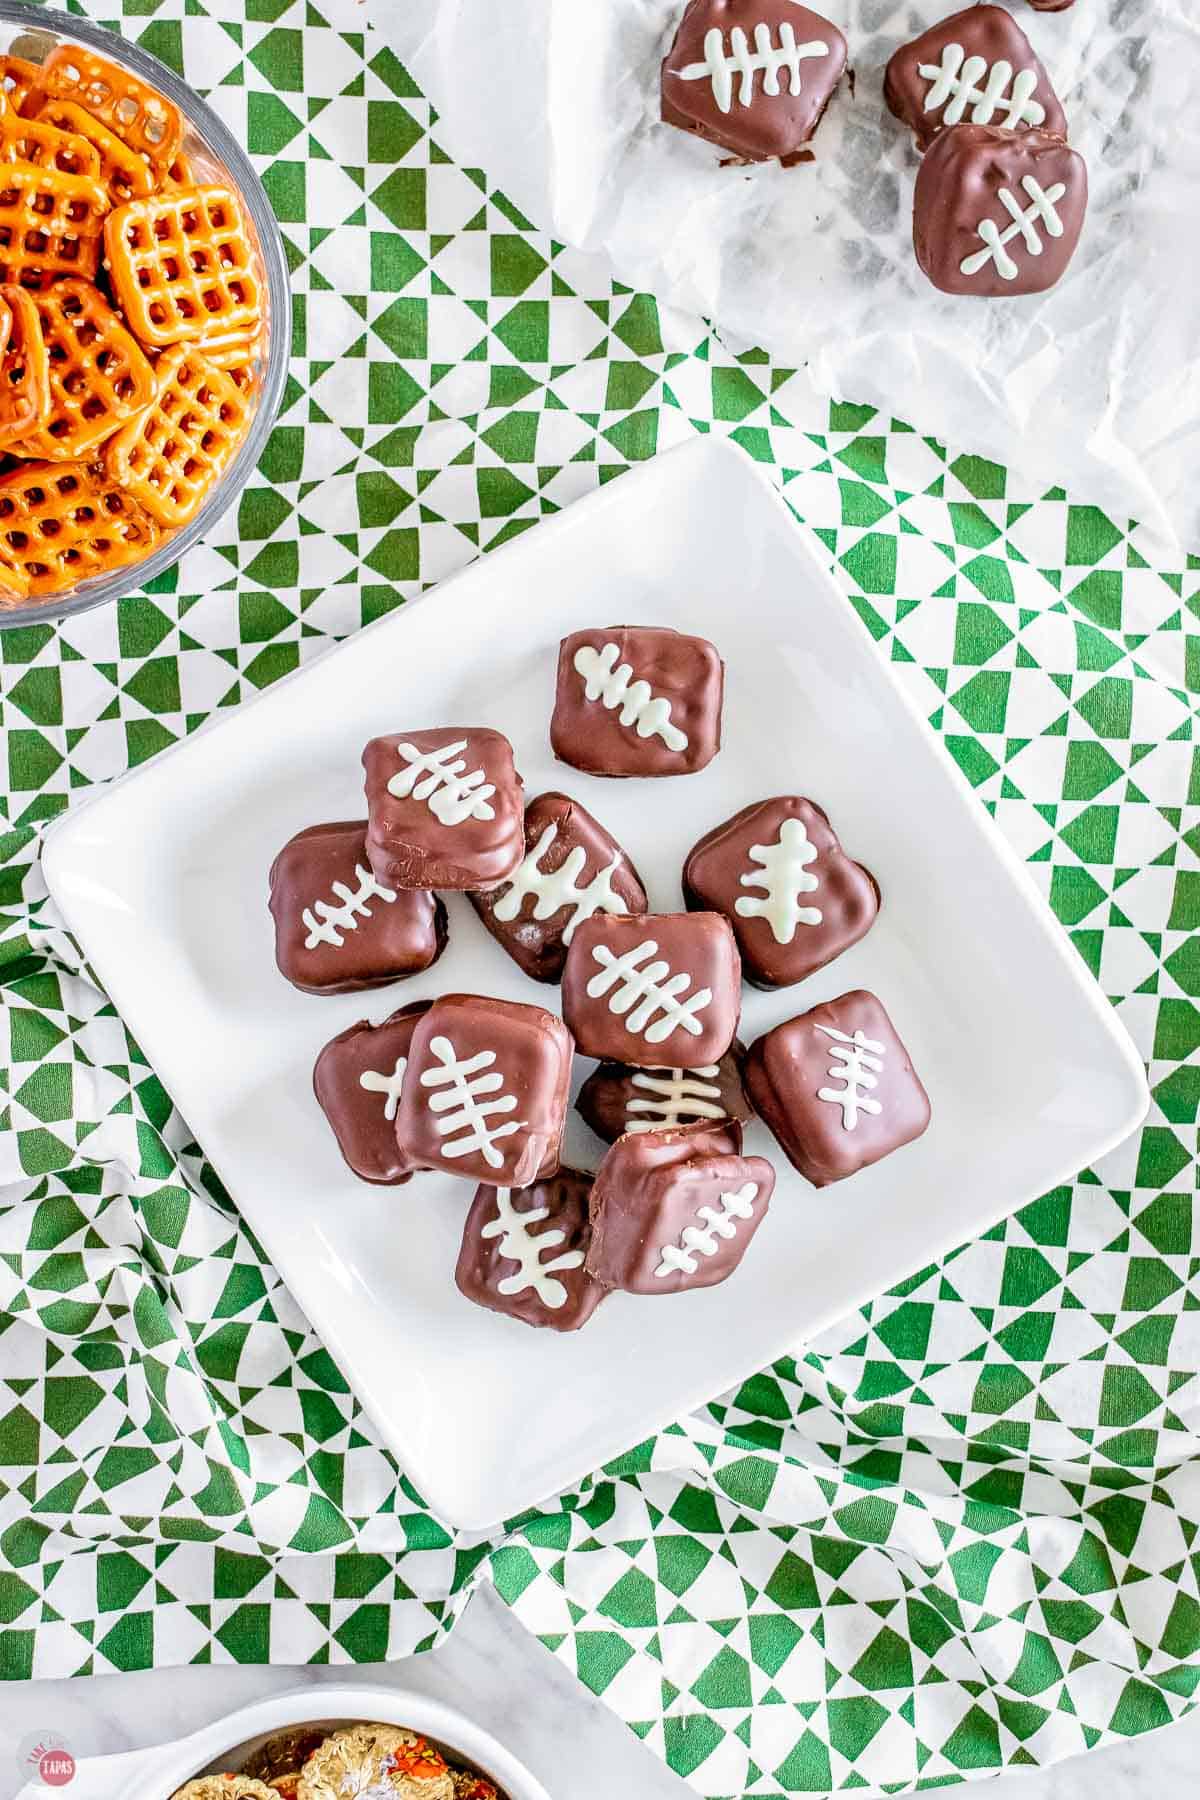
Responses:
[163,880]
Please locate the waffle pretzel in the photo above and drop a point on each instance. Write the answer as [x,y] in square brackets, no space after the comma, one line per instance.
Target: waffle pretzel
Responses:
[171,455]
[43,144]
[18,80]
[239,353]
[24,367]
[121,171]
[50,224]
[99,374]
[140,117]
[182,265]
[62,523]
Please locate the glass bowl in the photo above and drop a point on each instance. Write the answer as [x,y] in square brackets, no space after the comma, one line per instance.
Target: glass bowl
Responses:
[32,32]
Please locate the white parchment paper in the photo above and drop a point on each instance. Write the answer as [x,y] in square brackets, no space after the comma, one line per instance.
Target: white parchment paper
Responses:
[1094,386]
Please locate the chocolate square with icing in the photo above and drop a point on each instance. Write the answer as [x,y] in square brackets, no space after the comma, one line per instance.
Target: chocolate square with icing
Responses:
[485,1091]
[663,989]
[753,76]
[637,700]
[573,868]
[617,1097]
[524,1249]
[357,1079]
[338,927]
[998,213]
[837,1088]
[977,67]
[445,808]
[777,872]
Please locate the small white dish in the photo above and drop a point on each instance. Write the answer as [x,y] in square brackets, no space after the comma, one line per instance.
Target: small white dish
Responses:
[163,880]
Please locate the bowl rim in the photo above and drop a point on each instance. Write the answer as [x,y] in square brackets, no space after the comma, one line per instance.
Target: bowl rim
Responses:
[52,22]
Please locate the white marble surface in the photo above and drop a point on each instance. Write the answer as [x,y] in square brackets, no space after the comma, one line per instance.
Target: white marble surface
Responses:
[492,1669]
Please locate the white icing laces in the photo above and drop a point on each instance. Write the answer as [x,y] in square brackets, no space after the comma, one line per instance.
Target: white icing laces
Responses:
[783,876]
[527,1247]
[436,777]
[377,1082]
[464,1084]
[1040,211]
[326,924]
[858,1060]
[954,83]
[646,995]
[772,59]
[608,681]
[697,1240]
[559,887]
[677,1097]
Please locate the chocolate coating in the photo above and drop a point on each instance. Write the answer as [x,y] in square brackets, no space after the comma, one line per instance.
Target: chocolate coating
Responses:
[718,88]
[654,705]
[661,990]
[803,1078]
[464,843]
[572,867]
[989,32]
[959,187]
[1051,5]
[337,928]
[779,939]
[532,1271]
[362,1114]
[617,1098]
[486,1088]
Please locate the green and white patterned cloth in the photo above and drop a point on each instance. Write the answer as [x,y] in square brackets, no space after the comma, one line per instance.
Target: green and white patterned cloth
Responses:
[959,1532]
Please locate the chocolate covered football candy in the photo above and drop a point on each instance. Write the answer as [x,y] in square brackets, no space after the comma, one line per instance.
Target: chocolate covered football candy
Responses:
[664,989]
[338,928]
[572,868]
[676,1209]
[523,1252]
[617,1097]
[997,212]
[754,76]
[837,1088]
[637,700]
[357,1079]
[485,1091]
[777,872]
[445,808]
[976,66]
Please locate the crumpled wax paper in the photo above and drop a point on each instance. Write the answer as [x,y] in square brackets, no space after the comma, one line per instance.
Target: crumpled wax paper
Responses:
[1094,386]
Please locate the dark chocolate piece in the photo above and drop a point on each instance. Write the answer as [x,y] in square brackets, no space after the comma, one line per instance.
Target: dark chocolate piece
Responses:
[977,66]
[664,989]
[445,808]
[777,872]
[997,212]
[486,1088]
[837,1088]
[338,927]
[637,700]
[523,1252]
[753,76]
[357,1080]
[676,1209]
[572,868]
[617,1097]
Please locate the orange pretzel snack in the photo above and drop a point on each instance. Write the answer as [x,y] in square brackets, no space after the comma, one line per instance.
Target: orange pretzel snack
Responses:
[141,118]
[18,79]
[239,353]
[24,368]
[170,456]
[180,172]
[182,265]
[125,174]
[61,523]
[99,374]
[44,145]
[50,224]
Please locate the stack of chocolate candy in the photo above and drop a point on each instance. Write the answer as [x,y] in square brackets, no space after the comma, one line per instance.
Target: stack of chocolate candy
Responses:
[478,1087]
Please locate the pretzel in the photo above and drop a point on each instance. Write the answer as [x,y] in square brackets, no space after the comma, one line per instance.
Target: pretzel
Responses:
[24,367]
[39,142]
[18,80]
[239,353]
[180,172]
[180,446]
[62,523]
[182,265]
[99,374]
[140,117]
[50,224]
[121,171]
